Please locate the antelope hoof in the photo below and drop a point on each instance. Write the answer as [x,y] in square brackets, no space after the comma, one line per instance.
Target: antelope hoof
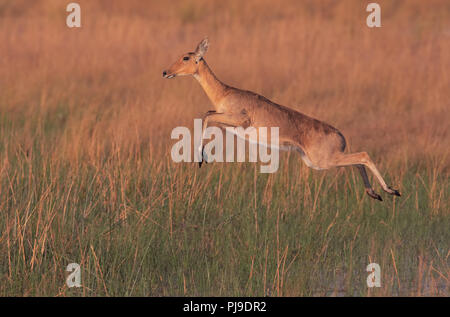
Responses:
[201,162]
[372,194]
[203,157]
[393,191]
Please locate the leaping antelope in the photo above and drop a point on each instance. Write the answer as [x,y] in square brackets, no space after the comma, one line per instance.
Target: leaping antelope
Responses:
[320,145]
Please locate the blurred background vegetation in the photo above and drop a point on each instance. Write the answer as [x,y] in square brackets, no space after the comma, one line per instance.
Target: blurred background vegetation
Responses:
[85,169]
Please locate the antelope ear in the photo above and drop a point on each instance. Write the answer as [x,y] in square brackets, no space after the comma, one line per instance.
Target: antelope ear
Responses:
[201,49]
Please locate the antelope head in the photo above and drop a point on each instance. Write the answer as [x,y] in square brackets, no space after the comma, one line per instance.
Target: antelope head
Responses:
[187,64]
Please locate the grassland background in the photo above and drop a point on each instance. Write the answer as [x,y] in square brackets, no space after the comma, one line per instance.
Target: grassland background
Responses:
[86,174]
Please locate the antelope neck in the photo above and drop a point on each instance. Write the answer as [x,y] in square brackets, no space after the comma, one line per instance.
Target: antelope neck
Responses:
[213,87]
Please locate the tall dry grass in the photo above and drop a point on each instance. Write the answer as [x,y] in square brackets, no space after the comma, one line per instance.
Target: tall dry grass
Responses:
[386,88]
[85,169]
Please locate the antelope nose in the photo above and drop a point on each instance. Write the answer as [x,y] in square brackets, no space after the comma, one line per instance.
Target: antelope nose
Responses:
[164,73]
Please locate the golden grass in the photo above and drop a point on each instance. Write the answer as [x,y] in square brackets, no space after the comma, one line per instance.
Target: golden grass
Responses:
[386,89]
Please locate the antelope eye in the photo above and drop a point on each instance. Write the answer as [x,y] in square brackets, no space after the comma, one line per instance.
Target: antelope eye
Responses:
[186,58]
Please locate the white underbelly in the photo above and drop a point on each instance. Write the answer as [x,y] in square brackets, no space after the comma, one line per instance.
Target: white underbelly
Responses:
[254,140]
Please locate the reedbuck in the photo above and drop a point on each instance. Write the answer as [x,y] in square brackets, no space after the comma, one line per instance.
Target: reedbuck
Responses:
[320,145]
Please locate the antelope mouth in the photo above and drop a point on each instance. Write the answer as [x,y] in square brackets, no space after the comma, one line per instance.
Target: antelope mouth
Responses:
[165,75]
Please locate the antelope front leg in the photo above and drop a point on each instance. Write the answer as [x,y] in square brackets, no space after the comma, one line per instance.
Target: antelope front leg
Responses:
[204,126]
[234,120]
